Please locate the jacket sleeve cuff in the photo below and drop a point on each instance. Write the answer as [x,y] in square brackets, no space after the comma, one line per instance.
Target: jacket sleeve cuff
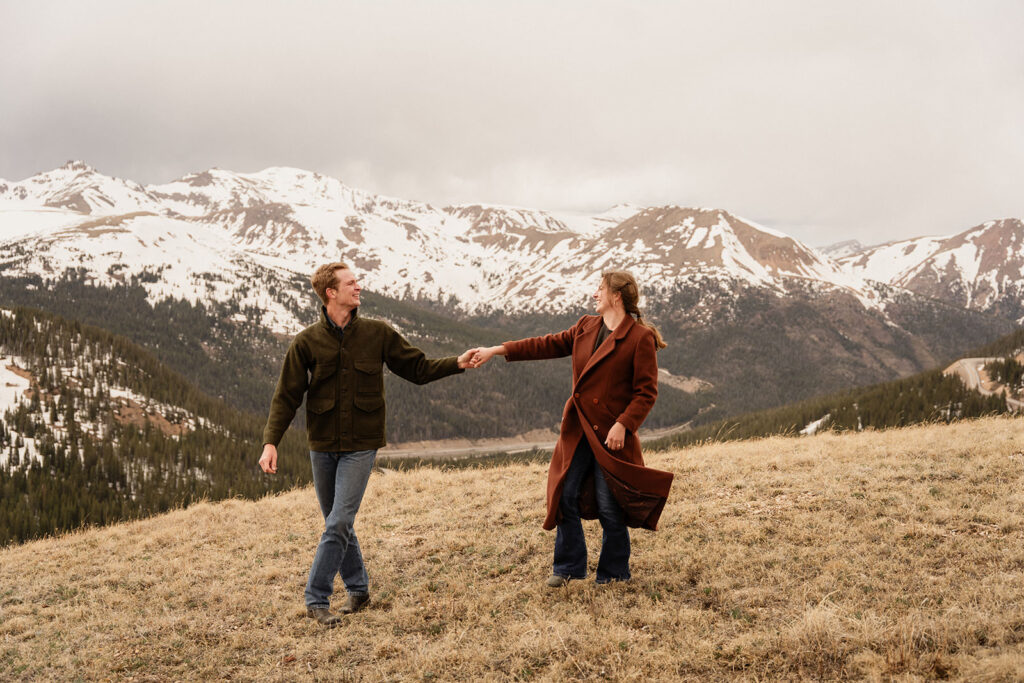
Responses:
[627,422]
[511,350]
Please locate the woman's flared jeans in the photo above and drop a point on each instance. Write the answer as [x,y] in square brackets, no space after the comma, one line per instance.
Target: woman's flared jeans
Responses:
[570,544]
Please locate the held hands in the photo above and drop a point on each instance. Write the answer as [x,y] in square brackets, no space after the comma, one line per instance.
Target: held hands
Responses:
[474,358]
[616,437]
[484,355]
[268,461]
[465,360]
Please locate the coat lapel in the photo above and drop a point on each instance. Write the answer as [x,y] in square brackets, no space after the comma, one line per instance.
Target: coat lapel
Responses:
[607,346]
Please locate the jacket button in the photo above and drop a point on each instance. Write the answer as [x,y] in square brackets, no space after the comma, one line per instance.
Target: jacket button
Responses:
[595,428]
[595,401]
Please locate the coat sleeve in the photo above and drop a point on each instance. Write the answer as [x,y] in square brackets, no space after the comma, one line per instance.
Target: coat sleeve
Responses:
[554,345]
[291,386]
[645,384]
[411,364]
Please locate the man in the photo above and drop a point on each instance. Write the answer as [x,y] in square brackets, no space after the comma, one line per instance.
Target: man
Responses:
[337,364]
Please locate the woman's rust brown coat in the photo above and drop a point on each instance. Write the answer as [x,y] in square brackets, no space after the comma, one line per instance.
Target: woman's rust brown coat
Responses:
[617,382]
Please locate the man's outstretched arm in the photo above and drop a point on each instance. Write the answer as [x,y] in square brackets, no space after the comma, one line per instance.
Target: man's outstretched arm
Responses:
[412,364]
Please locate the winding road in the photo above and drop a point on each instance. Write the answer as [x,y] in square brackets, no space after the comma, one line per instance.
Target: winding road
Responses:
[969,370]
[459,448]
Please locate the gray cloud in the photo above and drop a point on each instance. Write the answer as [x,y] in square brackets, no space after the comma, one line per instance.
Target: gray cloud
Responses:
[827,120]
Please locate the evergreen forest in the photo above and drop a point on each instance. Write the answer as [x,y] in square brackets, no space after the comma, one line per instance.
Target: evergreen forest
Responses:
[106,432]
[926,397]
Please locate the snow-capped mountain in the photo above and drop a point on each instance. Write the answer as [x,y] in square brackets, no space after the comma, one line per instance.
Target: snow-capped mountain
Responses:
[78,187]
[886,262]
[838,250]
[981,268]
[218,234]
[254,237]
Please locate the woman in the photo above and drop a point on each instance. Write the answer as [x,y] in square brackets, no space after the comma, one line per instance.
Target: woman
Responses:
[597,469]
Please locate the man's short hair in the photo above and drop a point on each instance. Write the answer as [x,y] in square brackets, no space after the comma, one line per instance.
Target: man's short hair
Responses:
[325,277]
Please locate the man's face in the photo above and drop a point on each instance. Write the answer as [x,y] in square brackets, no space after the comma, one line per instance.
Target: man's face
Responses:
[345,291]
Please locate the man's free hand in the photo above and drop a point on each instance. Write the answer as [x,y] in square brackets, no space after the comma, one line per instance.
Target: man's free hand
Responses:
[268,461]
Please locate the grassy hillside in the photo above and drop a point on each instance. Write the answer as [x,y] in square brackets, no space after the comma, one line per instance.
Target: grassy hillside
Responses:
[877,555]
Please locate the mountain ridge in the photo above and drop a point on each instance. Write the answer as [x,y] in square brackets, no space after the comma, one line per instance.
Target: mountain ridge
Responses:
[486,257]
[271,223]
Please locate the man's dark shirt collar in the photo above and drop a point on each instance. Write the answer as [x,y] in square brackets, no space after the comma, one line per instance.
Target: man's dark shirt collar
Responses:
[334,327]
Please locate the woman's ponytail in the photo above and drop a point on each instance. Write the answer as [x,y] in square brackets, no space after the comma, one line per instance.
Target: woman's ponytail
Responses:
[624,284]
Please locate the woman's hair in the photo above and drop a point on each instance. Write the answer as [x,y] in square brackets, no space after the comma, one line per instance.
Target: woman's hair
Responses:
[624,284]
[326,277]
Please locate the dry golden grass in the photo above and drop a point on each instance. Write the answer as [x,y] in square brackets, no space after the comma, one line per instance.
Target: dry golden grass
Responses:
[881,556]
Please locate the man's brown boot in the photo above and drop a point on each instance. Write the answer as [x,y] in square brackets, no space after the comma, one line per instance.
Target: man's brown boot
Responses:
[354,604]
[323,616]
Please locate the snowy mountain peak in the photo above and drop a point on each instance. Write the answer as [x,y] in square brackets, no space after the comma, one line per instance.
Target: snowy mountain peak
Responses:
[977,267]
[838,250]
[622,209]
[684,241]
[211,232]
[78,187]
[76,165]
[980,268]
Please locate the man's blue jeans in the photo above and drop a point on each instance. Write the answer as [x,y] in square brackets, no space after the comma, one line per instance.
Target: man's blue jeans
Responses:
[340,481]
[570,544]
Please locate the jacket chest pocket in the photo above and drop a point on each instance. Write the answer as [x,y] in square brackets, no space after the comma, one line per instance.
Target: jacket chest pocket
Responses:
[369,377]
[321,384]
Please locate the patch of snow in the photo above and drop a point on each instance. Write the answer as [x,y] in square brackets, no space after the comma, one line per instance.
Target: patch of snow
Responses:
[15,223]
[890,262]
[12,385]
[813,427]
[697,237]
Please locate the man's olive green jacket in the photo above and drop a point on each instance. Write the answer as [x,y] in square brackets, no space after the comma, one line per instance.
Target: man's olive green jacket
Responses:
[345,383]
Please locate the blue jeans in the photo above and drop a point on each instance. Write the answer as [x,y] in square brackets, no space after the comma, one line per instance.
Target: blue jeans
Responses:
[570,545]
[340,481]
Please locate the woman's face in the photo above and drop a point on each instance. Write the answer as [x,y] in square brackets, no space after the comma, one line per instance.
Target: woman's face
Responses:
[604,299]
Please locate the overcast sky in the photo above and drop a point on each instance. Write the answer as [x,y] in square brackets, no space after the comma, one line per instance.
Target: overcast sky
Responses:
[825,119]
